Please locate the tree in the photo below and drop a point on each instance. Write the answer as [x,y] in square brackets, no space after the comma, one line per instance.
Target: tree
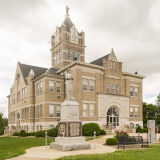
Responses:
[2,125]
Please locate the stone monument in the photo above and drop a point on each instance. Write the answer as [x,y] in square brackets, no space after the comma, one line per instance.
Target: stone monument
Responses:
[153,134]
[69,125]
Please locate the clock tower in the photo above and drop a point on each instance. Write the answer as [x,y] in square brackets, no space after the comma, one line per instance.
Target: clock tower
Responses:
[67,43]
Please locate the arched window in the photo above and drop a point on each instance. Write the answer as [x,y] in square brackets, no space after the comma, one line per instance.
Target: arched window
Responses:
[59,55]
[55,58]
[78,56]
[73,55]
[112,117]
[18,79]
[69,54]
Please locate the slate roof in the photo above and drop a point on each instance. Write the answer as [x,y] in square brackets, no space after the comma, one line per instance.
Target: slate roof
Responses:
[53,71]
[68,23]
[99,61]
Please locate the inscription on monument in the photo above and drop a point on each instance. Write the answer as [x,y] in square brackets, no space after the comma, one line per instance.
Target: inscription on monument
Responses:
[74,129]
[73,112]
[61,129]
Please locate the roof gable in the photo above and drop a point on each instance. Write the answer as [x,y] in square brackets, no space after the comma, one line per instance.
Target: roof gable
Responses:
[112,56]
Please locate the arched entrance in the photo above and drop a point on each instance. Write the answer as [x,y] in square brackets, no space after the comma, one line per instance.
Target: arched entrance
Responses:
[112,117]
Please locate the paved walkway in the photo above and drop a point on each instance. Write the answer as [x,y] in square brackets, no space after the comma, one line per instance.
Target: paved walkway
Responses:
[43,153]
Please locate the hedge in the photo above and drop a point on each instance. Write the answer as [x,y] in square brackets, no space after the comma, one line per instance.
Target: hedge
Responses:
[111,141]
[16,134]
[144,130]
[88,129]
[21,133]
[139,129]
[103,132]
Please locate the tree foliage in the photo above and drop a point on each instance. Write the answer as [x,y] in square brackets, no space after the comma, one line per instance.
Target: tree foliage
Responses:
[3,123]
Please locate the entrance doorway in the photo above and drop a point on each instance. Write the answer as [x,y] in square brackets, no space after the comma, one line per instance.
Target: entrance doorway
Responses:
[112,117]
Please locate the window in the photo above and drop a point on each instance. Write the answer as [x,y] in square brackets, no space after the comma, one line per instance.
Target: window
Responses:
[58,88]
[78,56]
[41,87]
[85,107]
[13,98]
[40,127]
[85,81]
[112,88]
[73,55]
[55,58]
[69,54]
[37,111]
[92,110]
[59,55]
[41,110]
[51,126]
[136,111]
[114,65]
[117,89]
[27,112]
[110,64]
[107,87]
[79,41]
[92,85]
[51,86]
[58,110]
[37,88]
[37,128]
[131,91]
[131,111]
[51,110]
[19,96]
[136,92]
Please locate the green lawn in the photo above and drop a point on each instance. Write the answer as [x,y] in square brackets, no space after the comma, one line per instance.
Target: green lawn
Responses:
[15,146]
[142,154]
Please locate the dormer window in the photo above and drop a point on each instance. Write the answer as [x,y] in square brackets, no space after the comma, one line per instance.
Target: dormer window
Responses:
[18,79]
[114,65]
[110,64]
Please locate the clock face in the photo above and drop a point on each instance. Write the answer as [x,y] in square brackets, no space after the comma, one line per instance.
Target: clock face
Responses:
[74,36]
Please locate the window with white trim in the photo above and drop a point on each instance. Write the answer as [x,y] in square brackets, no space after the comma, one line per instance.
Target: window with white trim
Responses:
[69,54]
[136,111]
[37,88]
[58,87]
[131,91]
[85,84]
[40,127]
[51,110]
[107,87]
[78,56]
[91,85]
[41,110]
[37,111]
[136,92]
[51,86]
[18,96]
[112,88]
[27,112]
[57,57]
[41,87]
[85,110]
[73,55]
[110,64]
[92,108]
[58,110]
[51,126]
[117,89]
[131,111]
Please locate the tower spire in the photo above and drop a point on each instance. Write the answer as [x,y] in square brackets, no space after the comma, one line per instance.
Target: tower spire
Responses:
[67,10]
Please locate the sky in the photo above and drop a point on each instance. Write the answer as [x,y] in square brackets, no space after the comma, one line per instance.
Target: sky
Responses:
[131,28]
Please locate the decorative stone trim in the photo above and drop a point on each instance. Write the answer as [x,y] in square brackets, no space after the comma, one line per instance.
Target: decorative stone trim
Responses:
[133,75]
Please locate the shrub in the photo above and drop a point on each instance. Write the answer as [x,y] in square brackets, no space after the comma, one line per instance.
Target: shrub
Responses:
[56,127]
[40,134]
[103,132]
[111,141]
[16,134]
[32,133]
[53,132]
[145,126]
[24,134]
[139,129]
[144,130]
[88,129]
[121,135]
[21,133]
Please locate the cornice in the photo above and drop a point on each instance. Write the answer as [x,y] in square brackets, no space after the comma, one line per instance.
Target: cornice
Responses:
[66,42]
[82,64]
[133,75]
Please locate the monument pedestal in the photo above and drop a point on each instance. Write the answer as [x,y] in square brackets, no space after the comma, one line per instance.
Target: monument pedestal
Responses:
[71,126]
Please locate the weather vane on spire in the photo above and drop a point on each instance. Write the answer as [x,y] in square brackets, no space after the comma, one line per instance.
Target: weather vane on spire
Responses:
[67,10]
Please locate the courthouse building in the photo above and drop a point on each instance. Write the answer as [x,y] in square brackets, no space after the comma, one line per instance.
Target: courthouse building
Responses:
[105,94]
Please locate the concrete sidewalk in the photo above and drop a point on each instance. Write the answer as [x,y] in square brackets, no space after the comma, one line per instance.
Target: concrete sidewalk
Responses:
[43,153]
